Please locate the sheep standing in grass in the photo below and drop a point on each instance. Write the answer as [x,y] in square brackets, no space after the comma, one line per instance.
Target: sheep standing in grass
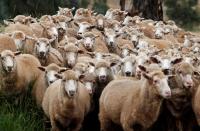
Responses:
[133,104]
[17,72]
[66,102]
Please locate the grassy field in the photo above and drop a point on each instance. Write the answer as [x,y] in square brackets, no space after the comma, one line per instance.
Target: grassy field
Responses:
[23,117]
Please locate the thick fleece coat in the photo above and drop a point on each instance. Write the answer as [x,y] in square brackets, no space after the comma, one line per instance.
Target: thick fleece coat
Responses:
[63,111]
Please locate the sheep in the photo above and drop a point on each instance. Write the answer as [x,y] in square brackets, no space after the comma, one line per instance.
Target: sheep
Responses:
[66,102]
[137,103]
[46,78]
[84,15]
[65,11]
[7,43]
[111,38]
[70,54]
[17,72]
[46,54]
[182,81]
[26,20]
[93,43]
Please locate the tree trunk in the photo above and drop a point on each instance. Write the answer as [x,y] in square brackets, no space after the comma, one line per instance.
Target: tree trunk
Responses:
[149,9]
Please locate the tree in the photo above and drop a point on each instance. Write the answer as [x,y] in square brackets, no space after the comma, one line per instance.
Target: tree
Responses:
[150,9]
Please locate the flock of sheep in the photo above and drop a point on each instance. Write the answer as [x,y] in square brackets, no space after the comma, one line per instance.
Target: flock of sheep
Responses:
[103,72]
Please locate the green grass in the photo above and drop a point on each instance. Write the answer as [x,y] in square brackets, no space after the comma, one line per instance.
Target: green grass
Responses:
[23,117]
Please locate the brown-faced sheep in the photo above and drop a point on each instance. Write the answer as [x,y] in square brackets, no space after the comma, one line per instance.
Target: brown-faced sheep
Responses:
[17,72]
[133,104]
[46,78]
[66,102]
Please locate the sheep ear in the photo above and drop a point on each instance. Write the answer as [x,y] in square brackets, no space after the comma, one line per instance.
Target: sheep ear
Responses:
[154,59]
[91,27]
[80,51]
[177,60]
[59,8]
[81,77]
[76,24]
[145,75]
[91,63]
[196,74]
[63,70]
[142,68]
[59,76]
[17,53]
[113,64]
[41,68]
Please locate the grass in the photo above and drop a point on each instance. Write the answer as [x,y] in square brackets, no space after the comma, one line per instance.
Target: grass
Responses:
[23,117]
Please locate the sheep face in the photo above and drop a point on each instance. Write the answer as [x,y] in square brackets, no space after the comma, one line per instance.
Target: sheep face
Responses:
[102,74]
[71,58]
[158,81]
[128,67]
[70,86]
[19,39]
[52,32]
[42,48]
[100,23]
[185,72]
[89,81]
[110,36]
[8,60]
[88,43]
[69,82]
[51,71]
[161,84]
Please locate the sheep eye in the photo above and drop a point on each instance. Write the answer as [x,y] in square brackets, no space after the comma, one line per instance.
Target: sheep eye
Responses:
[155,81]
[180,72]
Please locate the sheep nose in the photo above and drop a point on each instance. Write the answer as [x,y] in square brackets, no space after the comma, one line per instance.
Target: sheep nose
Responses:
[168,94]
[103,77]
[42,53]
[71,93]
[9,68]
[128,73]
[111,43]
[189,84]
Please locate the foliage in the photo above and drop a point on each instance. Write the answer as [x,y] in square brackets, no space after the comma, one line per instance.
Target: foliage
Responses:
[100,6]
[183,12]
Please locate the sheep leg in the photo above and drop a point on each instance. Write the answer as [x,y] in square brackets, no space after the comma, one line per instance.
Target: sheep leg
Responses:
[104,122]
